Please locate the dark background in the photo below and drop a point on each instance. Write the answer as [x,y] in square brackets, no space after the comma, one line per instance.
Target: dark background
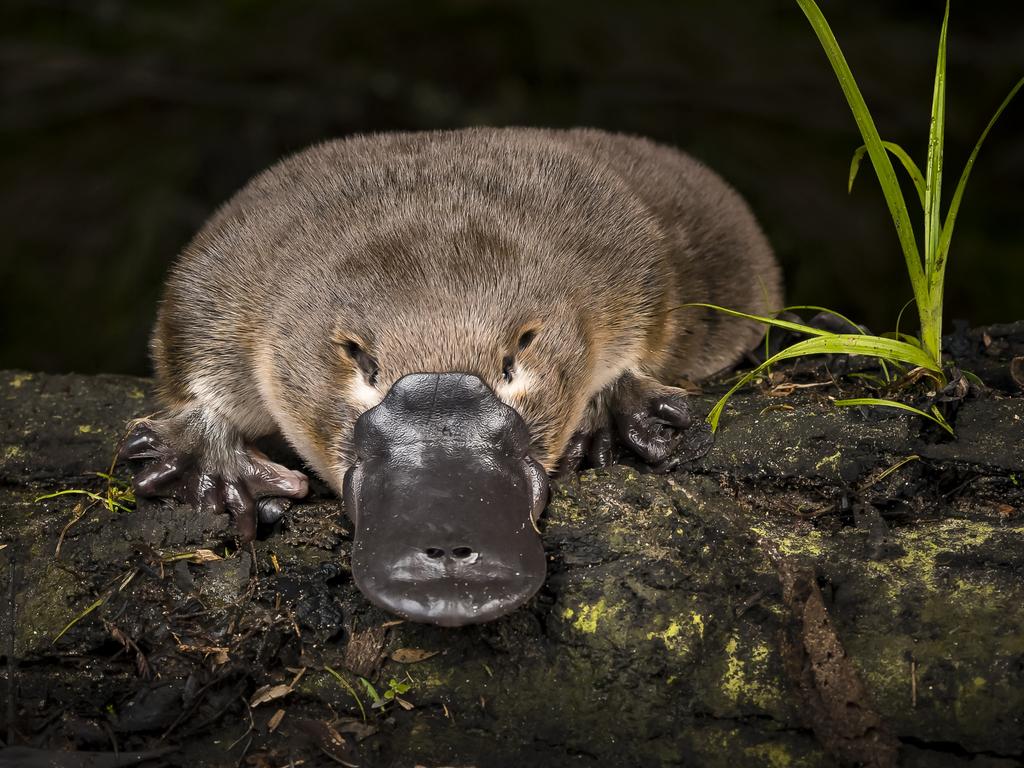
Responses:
[124,123]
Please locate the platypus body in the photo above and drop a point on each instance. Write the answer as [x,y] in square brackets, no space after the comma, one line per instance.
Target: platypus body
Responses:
[436,322]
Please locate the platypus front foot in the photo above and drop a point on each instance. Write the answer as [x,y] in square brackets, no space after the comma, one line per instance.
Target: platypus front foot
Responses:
[654,421]
[644,416]
[233,478]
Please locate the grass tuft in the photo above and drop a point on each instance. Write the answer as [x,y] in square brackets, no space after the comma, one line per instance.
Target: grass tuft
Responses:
[925,261]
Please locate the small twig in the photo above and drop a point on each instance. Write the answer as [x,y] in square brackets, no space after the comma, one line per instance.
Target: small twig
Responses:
[295,624]
[76,515]
[960,487]
[141,662]
[110,735]
[913,682]
[248,732]
[890,470]
[187,711]
[787,388]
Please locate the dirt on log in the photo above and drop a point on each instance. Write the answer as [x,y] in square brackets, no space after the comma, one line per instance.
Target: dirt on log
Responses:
[824,587]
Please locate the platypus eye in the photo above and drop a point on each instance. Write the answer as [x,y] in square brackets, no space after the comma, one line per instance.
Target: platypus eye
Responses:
[508,365]
[363,360]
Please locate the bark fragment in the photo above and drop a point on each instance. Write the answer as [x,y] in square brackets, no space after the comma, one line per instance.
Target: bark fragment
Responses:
[835,702]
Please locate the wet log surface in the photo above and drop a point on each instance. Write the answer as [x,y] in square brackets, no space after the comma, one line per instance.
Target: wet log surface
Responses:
[825,587]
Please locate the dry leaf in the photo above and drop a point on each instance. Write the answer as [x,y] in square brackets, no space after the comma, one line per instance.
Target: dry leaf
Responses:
[1017,371]
[355,728]
[217,650]
[411,655]
[275,720]
[205,556]
[260,760]
[332,743]
[269,693]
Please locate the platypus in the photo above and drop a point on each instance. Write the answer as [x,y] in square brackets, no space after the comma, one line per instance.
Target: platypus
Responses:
[437,322]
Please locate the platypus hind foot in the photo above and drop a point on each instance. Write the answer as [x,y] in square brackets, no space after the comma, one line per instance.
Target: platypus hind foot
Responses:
[654,421]
[229,477]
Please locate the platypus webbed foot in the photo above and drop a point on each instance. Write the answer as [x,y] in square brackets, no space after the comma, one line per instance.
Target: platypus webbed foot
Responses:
[234,478]
[654,421]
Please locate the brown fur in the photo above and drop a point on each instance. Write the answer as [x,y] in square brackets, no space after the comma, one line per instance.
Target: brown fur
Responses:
[434,252]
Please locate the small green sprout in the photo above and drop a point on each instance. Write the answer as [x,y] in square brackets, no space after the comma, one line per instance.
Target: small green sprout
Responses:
[395,690]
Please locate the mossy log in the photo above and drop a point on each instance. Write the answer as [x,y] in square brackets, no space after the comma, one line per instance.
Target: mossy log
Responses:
[820,589]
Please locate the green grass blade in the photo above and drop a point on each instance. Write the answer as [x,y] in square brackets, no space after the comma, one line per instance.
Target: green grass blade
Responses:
[120,484]
[351,691]
[909,339]
[933,168]
[901,154]
[856,344]
[773,321]
[936,417]
[958,194]
[816,308]
[930,312]
[899,317]
[110,504]
[831,343]
[78,618]
[973,378]
[378,702]
[876,150]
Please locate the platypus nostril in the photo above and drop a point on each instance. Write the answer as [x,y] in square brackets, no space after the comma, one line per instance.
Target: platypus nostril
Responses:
[462,552]
[433,553]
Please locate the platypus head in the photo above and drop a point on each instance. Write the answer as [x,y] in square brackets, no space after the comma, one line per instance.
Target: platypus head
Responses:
[461,420]
[463,370]
[444,497]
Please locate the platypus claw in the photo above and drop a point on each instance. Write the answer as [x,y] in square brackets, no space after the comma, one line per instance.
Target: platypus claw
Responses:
[260,491]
